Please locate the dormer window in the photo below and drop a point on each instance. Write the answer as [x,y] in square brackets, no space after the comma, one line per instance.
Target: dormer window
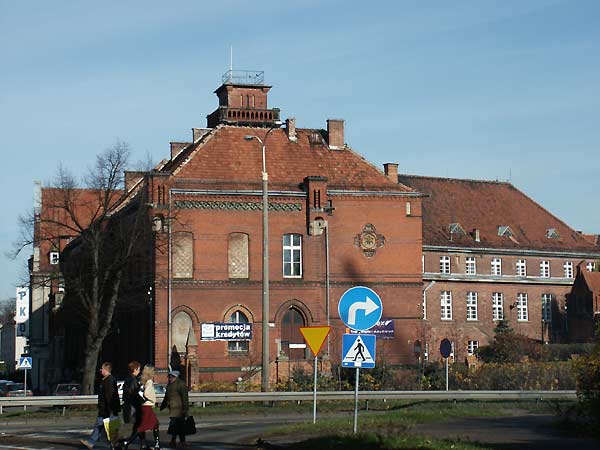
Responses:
[504,230]
[455,228]
[552,233]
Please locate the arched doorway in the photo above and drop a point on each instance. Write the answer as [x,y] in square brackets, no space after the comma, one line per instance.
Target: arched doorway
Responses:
[291,338]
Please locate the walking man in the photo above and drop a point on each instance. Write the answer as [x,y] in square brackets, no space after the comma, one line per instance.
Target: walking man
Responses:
[108,404]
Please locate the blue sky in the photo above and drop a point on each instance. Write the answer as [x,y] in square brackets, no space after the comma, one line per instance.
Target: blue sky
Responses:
[485,89]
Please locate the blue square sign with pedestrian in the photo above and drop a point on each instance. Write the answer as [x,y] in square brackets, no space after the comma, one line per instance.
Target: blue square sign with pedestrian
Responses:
[358,350]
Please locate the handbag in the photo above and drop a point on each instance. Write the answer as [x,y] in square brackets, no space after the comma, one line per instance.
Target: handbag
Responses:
[189,426]
[112,425]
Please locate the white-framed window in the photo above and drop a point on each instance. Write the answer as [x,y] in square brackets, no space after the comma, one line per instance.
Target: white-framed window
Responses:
[521,268]
[54,258]
[589,266]
[546,307]
[446,305]
[292,256]
[423,263]
[568,269]
[424,305]
[237,346]
[426,352]
[496,266]
[545,269]
[522,312]
[444,264]
[471,305]
[470,265]
[472,346]
[497,306]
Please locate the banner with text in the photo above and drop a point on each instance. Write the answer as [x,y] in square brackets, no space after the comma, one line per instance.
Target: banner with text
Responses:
[220,331]
[382,329]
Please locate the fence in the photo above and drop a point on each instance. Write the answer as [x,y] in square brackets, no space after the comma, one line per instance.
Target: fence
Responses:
[203,398]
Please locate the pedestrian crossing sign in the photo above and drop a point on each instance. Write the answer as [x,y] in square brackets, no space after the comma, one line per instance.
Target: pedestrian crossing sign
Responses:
[358,350]
[25,362]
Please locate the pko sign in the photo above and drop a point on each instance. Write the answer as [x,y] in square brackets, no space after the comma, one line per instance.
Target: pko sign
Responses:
[360,308]
[22,311]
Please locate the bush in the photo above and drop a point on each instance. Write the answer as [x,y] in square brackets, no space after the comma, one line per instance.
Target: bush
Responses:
[587,372]
[509,347]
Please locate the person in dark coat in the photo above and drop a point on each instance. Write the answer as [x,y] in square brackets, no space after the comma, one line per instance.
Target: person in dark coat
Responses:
[176,399]
[109,404]
[132,402]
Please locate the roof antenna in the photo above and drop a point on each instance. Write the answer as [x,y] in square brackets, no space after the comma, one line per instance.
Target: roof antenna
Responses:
[231,58]
[510,175]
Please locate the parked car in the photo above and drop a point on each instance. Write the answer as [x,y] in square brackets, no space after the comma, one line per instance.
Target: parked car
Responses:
[3,387]
[18,390]
[68,389]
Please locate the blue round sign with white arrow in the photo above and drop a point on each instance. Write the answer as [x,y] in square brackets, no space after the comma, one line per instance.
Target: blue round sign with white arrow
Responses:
[360,308]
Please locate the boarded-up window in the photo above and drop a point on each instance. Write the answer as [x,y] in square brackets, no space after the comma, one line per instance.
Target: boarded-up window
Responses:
[238,255]
[180,329]
[183,255]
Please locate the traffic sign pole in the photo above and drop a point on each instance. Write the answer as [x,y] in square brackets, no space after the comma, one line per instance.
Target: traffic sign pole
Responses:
[446,373]
[315,393]
[25,385]
[356,399]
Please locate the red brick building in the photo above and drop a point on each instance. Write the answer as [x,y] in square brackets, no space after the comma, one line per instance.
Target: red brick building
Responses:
[583,303]
[335,221]
[491,253]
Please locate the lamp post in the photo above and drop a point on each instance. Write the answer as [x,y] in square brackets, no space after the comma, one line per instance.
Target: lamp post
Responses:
[265,264]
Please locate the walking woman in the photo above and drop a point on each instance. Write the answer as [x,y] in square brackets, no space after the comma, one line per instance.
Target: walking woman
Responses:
[131,398]
[176,399]
[148,420]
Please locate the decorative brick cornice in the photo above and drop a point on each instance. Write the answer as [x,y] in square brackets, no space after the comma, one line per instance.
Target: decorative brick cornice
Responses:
[236,206]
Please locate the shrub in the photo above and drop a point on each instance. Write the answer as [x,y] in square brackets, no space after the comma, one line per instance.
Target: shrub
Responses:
[587,372]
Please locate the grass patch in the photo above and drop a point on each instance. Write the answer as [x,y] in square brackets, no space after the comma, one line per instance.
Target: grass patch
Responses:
[370,441]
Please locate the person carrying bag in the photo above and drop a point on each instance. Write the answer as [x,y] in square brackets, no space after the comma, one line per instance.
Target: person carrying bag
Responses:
[176,399]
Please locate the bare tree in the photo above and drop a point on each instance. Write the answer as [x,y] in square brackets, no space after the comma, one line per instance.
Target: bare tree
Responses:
[106,228]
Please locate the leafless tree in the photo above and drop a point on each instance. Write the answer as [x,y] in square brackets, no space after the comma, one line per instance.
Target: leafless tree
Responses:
[106,229]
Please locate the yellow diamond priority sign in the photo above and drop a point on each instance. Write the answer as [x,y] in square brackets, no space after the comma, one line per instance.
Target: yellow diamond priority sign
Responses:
[315,337]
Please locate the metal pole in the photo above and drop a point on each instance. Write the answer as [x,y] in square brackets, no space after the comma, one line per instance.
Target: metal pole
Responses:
[356,400]
[265,270]
[169,284]
[25,385]
[315,394]
[446,373]
[327,299]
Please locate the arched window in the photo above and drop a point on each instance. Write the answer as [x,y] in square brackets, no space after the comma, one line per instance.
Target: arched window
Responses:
[237,346]
[180,328]
[183,255]
[238,255]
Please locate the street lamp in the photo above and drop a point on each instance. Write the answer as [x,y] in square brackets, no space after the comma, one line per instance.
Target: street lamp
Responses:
[265,265]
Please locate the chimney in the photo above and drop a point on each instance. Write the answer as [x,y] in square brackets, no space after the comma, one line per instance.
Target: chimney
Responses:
[391,171]
[475,235]
[131,178]
[290,126]
[176,147]
[199,133]
[335,132]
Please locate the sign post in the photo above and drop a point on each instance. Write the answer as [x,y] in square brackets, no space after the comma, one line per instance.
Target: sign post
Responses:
[315,338]
[445,350]
[360,308]
[25,365]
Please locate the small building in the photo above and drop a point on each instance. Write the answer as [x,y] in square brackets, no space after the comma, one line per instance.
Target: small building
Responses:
[583,306]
